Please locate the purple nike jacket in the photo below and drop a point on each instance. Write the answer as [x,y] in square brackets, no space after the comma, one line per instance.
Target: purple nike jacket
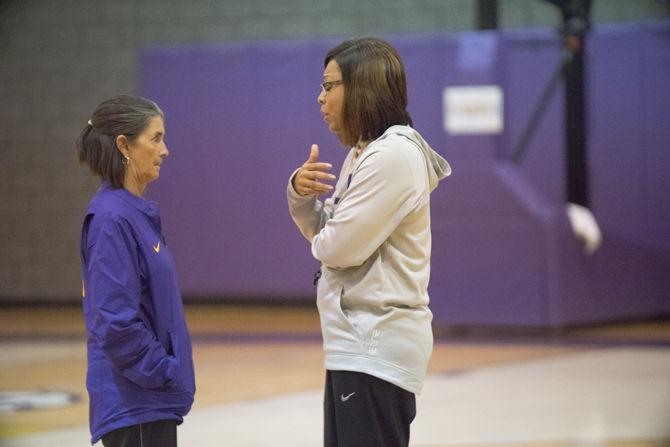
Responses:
[140,366]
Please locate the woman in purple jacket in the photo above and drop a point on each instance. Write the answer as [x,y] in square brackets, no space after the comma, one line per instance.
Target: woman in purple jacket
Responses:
[140,377]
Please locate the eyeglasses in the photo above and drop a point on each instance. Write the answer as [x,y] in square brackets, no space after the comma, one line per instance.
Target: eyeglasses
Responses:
[328,86]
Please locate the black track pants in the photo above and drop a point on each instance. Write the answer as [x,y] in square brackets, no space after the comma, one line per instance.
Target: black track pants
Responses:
[150,434]
[363,411]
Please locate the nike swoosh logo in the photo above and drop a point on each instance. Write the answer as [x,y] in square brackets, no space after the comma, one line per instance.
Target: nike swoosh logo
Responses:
[157,247]
[346,398]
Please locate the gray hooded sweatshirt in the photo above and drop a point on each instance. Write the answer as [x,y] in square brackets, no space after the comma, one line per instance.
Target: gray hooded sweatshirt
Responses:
[373,239]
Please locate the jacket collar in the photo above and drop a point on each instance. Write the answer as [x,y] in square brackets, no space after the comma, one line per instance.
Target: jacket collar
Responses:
[148,207]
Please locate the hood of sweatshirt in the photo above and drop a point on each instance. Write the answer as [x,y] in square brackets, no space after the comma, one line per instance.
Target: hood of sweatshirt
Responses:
[438,167]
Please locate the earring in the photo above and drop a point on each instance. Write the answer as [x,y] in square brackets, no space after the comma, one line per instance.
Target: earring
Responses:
[126,160]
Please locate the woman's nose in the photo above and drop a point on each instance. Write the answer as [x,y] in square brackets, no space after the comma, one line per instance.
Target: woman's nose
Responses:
[321,98]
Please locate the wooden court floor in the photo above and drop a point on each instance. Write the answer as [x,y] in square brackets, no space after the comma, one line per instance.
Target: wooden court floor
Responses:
[250,352]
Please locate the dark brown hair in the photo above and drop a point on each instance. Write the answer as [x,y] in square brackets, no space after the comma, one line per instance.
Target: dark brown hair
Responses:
[96,144]
[375,95]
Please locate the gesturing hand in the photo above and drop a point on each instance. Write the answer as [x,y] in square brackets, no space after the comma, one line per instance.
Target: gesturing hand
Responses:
[308,180]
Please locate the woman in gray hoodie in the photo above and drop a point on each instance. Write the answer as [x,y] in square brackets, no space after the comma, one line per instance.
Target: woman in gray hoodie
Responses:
[372,237]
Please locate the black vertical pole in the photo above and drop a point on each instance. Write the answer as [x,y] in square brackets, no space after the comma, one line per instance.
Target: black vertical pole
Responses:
[487,14]
[576,22]
[575,130]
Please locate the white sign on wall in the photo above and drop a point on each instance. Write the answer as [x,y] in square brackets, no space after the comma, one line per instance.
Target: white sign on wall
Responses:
[476,109]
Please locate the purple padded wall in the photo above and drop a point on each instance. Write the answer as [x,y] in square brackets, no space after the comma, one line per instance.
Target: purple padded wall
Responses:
[241,117]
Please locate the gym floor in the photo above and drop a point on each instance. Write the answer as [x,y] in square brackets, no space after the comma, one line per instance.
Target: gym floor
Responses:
[259,376]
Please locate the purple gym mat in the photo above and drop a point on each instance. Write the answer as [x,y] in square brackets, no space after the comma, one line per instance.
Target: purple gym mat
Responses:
[240,118]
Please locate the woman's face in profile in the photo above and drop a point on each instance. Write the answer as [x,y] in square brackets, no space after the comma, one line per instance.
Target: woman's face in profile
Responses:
[332,97]
[148,151]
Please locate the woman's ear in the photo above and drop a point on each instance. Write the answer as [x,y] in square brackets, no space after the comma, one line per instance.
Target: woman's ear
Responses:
[122,145]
